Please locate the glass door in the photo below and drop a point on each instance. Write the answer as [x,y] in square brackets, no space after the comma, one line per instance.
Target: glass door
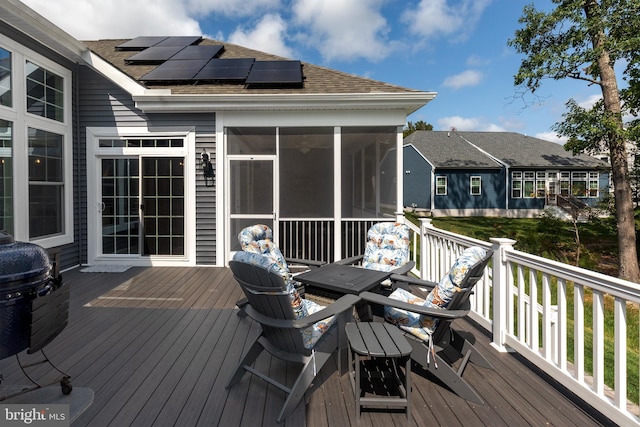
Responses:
[142,206]
[251,195]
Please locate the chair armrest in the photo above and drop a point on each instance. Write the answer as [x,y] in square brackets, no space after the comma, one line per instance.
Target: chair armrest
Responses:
[350,260]
[309,262]
[343,304]
[412,281]
[433,312]
[404,269]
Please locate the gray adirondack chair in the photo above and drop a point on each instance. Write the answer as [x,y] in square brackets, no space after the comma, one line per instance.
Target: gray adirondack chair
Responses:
[428,328]
[292,329]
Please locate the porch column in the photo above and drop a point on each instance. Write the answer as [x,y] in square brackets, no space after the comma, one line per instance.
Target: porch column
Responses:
[500,288]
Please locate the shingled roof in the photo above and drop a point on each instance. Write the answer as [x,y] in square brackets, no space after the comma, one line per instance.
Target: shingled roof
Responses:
[478,149]
[317,80]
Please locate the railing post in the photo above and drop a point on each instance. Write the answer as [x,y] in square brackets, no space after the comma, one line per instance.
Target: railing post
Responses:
[500,288]
[425,249]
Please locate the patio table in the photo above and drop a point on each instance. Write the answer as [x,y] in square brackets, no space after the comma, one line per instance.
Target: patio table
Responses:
[340,279]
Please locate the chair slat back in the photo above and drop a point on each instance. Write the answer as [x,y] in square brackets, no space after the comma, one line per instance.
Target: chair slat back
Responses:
[460,300]
[267,293]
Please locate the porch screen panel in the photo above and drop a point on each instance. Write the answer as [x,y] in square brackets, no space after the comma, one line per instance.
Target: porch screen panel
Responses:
[120,202]
[369,181]
[6,172]
[306,172]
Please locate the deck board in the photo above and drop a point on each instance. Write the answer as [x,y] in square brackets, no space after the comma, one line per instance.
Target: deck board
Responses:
[157,346]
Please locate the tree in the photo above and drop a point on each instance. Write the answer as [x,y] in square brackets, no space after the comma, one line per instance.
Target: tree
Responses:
[419,125]
[583,40]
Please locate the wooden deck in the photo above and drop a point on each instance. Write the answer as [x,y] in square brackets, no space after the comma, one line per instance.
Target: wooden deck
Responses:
[157,346]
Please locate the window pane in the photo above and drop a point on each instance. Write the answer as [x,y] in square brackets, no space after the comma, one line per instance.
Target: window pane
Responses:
[6,172]
[369,179]
[46,186]
[251,140]
[45,93]
[476,185]
[5,78]
[306,172]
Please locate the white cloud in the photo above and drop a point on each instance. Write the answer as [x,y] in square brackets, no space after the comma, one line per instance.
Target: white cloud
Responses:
[468,124]
[466,78]
[454,18]
[343,30]
[268,36]
[99,19]
[590,101]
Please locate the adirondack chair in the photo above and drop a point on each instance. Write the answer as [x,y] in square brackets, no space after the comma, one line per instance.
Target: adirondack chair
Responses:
[258,239]
[292,329]
[386,249]
[427,322]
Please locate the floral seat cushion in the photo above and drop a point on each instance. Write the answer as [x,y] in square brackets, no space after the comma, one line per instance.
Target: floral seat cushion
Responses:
[301,307]
[440,296]
[387,246]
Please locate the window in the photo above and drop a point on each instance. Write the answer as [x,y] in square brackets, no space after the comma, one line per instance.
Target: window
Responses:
[441,185]
[5,78]
[541,184]
[565,183]
[6,173]
[36,201]
[45,94]
[579,184]
[46,184]
[529,185]
[593,184]
[476,185]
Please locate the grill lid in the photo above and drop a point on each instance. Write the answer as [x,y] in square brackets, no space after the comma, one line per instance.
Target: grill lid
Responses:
[21,263]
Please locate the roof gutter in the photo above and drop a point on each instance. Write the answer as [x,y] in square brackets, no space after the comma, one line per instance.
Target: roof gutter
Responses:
[164,102]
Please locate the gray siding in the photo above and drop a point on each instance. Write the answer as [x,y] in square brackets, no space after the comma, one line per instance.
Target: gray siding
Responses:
[104,104]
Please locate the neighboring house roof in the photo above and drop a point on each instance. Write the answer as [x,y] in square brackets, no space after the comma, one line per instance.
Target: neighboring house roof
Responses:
[510,148]
[446,150]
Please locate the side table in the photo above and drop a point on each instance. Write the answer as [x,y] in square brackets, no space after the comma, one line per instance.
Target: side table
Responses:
[377,340]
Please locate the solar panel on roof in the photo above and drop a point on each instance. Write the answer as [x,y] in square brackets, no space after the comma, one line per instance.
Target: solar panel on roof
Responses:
[226,69]
[140,43]
[199,52]
[154,54]
[175,69]
[275,72]
[179,41]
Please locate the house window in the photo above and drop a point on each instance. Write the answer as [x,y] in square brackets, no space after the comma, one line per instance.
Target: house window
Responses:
[593,184]
[579,184]
[45,93]
[441,185]
[5,78]
[565,183]
[46,183]
[476,185]
[541,184]
[516,189]
[6,172]
[36,201]
[528,183]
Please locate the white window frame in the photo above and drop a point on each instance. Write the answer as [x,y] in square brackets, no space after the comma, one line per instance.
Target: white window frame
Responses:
[22,121]
[446,185]
[94,157]
[479,186]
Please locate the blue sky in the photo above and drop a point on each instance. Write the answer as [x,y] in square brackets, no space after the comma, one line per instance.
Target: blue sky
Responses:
[457,48]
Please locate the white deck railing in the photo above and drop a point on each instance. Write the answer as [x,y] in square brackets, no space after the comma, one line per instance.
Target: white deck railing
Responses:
[561,318]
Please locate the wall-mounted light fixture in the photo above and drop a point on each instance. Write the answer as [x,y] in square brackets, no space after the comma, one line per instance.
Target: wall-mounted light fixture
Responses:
[207,169]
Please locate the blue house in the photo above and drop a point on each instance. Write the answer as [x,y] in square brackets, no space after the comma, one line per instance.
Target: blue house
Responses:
[495,174]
